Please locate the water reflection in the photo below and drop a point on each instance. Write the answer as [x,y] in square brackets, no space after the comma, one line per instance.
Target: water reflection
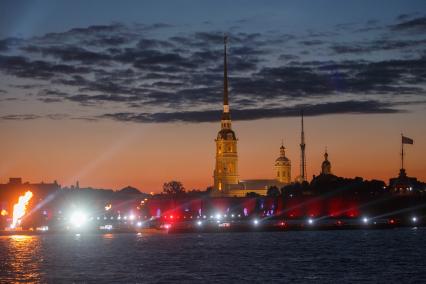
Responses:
[108,236]
[20,258]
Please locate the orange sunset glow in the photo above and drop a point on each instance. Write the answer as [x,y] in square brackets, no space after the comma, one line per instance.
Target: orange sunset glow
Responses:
[114,155]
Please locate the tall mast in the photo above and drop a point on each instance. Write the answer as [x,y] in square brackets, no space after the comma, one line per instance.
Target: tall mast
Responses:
[226,117]
[402,152]
[302,153]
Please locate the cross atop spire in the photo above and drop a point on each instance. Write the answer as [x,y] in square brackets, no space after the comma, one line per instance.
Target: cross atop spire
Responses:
[282,149]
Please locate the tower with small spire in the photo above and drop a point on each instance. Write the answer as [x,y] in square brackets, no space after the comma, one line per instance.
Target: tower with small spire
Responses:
[283,167]
[326,165]
[226,168]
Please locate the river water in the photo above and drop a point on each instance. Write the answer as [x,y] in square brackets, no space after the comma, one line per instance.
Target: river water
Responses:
[396,255]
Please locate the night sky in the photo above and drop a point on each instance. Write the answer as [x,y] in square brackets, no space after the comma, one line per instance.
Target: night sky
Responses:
[129,93]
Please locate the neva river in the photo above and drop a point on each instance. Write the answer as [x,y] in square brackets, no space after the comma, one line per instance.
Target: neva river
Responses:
[397,255]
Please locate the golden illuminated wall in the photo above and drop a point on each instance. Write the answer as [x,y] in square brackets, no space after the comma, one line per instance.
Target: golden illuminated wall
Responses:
[283,167]
[226,169]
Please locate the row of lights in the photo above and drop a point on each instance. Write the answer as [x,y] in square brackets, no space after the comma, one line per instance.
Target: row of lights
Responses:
[311,221]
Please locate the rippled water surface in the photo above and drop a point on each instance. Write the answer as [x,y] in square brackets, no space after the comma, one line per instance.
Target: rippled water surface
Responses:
[397,255]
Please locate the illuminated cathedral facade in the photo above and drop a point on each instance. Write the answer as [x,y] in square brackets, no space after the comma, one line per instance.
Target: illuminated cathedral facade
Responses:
[226,179]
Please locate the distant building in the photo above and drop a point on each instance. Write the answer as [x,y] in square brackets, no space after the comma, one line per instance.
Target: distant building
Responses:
[15,187]
[326,165]
[404,184]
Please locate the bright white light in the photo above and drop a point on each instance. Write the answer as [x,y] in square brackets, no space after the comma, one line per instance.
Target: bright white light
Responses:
[42,228]
[132,217]
[78,219]
[139,224]
[255,221]
[218,216]
[106,227]
[365,220]
[232,215]
[199,223]
[310,221]
[414,219]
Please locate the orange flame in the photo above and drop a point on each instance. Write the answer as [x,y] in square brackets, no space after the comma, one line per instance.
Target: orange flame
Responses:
[20,208]
[4,213]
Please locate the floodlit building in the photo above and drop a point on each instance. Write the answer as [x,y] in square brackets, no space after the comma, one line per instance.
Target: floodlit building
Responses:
[226,178]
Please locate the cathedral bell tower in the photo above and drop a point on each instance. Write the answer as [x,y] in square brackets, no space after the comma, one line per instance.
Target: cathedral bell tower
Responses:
[226,168]
[283,167]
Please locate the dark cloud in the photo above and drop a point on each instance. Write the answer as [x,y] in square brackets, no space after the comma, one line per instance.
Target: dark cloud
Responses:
[54,116]
[152,43]
[288,57]
[404,17]
[37,69]
[353,107]
[81,33]
[377,45]
[69,53]
[103,41]
[8,43]
[20,117]
[413,25]
[311,42]
[127,65]
[157,26]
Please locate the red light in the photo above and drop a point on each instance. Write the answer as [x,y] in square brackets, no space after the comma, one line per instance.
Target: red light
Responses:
[171,216]
[392,221]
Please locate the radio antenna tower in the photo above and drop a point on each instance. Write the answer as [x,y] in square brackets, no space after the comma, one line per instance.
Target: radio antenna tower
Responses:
[302,152]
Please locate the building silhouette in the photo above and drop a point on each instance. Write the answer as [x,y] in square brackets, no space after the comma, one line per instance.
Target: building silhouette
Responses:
[326,165]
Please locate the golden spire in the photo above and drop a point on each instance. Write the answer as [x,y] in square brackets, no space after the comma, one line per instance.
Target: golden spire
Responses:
[226,116]
[225,72]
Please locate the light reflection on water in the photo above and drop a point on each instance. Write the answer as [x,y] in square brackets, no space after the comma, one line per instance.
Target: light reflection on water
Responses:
[20,258]
[323,256]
